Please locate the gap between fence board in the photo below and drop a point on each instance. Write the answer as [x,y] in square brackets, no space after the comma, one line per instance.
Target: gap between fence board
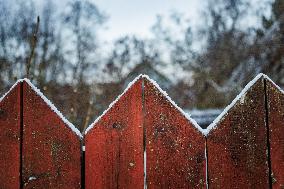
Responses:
[21,133]
[144,134]
[267,132]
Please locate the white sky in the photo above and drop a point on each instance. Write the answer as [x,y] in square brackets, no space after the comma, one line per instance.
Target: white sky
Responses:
[137,16]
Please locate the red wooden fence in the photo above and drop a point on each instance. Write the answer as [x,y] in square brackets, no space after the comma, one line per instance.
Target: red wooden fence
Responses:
[39,148]
[237,147]
[143,140]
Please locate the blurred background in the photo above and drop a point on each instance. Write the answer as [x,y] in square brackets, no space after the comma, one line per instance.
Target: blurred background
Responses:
[82,54]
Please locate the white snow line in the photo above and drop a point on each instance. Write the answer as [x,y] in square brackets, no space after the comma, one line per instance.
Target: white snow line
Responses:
[112,104]
[19,81]
[187,116]
[239,97]
[73,128]
[277,86]
[52,107]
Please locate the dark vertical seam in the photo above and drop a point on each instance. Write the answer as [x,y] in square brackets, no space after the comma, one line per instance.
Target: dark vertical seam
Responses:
[267,132]
[83,168]
[118,165]
[111,183]
[207,168]
[144,135]
[21,133]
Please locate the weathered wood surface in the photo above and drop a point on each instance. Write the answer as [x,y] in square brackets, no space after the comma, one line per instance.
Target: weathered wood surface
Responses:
[237,148]
[114,146]
[275,104]
[10,139]
[51,150]
[175,149]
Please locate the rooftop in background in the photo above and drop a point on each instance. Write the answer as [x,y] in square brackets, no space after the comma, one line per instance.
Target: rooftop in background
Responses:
[204,117]
[148,69]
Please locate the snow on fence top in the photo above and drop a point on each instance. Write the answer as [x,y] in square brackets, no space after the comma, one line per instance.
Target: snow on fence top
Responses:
[277,86]
[193,122]
[205,132]
[111,104]
[50,104]
[19,81]
[239,97]
[187,116]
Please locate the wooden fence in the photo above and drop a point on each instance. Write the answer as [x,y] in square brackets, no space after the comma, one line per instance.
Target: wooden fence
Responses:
[143,140]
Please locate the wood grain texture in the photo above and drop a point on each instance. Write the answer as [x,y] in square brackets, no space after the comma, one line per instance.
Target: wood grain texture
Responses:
[114,146]
[237,148]
[175,149]
[10,139]
[276,133]
[51,150]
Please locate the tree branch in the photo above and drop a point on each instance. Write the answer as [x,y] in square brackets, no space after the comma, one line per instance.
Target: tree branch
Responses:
[33,46]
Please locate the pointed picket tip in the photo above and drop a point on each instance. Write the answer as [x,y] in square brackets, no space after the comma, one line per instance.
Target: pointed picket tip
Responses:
[277,87]
[129,86]
[137,79]
[52,107]
[239,98]
[11,88]
[50,104]
[164,93]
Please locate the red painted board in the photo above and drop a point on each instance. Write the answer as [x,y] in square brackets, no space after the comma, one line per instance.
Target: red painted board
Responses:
[114,146]
[175,149]
[237,147]
[51,150]
[10,139]
[276,133]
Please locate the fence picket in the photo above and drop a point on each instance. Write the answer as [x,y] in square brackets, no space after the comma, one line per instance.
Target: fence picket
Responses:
[51,150]
[10,139]
[237,147]
[114,144]
[175,149]
[276,133]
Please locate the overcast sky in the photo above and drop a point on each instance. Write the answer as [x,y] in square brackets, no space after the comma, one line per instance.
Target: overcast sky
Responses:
[137,16]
